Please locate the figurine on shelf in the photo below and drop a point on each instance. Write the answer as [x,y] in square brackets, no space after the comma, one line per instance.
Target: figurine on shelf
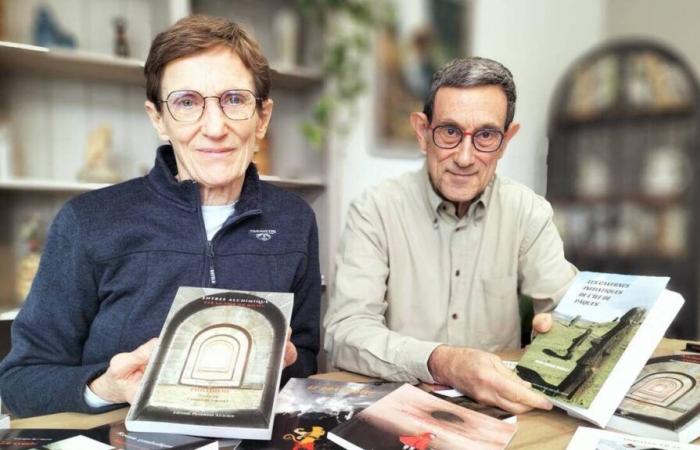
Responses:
[47,32]
[96,168]
[666,172]
[285,29]
[3,19]
[31,233]
[6,160]
[121,44]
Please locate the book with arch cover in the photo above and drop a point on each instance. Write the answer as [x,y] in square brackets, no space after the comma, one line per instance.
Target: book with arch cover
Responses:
[216,369]
[664,401]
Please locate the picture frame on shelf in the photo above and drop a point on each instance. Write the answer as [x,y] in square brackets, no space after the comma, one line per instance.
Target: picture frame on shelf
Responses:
[421,38]
[6,152]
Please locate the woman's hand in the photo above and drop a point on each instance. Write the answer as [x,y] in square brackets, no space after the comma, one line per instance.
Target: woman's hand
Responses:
[290,351]
[123,376]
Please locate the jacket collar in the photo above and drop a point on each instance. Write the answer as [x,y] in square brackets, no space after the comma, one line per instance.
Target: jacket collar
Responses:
[185,194]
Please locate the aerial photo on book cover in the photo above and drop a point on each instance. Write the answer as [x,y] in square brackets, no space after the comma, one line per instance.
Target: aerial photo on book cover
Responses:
[664,402]
[409,418]
[217,366]
[307,409]
[593,439]
[601,319]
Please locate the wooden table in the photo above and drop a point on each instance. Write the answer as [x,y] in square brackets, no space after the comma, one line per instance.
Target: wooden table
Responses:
[537,430]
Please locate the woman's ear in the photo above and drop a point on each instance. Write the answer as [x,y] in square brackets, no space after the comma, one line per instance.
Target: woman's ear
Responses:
[264,113]
[157,120]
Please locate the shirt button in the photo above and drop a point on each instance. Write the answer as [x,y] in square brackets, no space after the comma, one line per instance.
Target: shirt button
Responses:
[454,316]
[457,273]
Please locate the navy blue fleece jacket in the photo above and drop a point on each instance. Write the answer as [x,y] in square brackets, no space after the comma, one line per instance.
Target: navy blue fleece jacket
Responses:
[114,259]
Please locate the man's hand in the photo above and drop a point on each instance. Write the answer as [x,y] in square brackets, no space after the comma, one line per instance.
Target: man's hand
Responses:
[290,351]
[484,378]
[541,323]
[121,380]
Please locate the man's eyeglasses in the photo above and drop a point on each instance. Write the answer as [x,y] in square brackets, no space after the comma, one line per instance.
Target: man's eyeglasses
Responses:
[188,106]
[485,140]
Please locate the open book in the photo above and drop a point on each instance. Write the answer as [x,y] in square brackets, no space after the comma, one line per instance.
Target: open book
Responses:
[217,366]
[605,328]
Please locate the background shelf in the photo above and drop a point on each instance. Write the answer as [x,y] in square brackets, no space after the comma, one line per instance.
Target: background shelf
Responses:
[21,58]
[49,185]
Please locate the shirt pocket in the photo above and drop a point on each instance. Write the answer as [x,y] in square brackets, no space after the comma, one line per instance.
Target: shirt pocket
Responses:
[502,313]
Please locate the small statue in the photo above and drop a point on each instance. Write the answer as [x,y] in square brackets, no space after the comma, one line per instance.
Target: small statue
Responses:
[285,31]
[96,169]
[31,234]
[121,44]
[47,32]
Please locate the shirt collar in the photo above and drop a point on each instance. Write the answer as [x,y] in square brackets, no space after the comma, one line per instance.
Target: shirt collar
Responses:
[435,202]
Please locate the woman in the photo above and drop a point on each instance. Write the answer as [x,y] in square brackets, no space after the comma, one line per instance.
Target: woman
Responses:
[201,217]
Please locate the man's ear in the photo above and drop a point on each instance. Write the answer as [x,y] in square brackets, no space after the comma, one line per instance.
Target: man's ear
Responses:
[510,132]
[156,119]
[419,122]
[265,113]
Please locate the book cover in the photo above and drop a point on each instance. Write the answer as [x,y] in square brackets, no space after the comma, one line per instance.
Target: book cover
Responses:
[16,439]
[604,330]
[307,409]
[595,439]
[107,437]
[664,401]
[410,418]
[457,398]
[216,369]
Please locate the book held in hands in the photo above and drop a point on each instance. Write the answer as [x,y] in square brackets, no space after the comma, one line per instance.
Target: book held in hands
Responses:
[410,418]
[604,330]
[216,369]
[664,401]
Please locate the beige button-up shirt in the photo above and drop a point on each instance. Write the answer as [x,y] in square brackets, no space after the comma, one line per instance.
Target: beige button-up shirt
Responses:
[412,275]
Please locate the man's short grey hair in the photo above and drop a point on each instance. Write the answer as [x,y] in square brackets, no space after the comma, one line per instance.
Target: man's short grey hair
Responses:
[469,72]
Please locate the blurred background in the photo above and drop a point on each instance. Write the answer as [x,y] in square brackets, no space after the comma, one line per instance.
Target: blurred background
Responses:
[607,100]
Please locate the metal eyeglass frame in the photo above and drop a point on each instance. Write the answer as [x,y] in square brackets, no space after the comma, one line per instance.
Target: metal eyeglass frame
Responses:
[258,101]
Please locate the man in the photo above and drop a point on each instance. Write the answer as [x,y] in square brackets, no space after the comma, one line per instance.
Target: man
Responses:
[431,265]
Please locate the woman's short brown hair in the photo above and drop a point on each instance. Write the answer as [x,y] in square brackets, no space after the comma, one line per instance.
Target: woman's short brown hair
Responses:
[197,33]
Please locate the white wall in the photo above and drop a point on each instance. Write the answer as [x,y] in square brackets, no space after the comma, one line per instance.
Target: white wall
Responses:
[537,40]
[671,22]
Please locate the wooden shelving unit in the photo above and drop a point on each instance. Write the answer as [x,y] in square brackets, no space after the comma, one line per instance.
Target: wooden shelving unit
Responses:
[17,58]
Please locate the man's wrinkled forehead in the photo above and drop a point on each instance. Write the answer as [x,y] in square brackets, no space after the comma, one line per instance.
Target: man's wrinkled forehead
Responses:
[486,104]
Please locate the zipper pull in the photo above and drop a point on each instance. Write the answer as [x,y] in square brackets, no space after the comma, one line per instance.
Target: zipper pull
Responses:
[212,272]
